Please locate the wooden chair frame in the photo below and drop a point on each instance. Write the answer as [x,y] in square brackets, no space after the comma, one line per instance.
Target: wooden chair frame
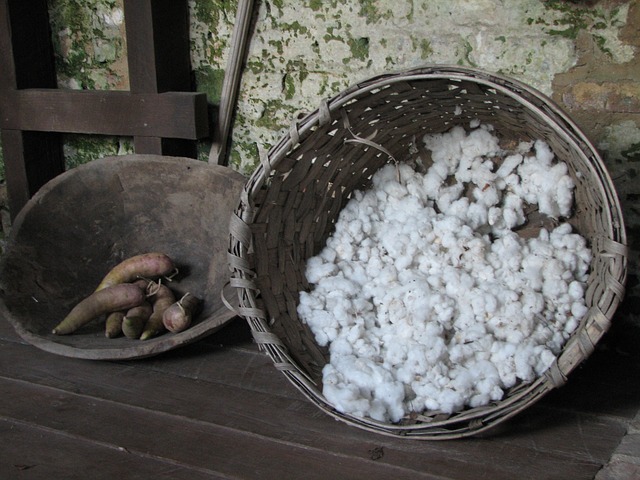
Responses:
[160,111]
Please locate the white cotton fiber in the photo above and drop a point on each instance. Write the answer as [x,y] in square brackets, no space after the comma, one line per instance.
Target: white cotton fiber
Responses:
[425,295]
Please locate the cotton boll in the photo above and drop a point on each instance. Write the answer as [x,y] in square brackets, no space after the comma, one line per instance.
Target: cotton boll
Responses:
[543,152]
[541,246]
[322,324]
[547,185]
[509,164]
[513,213]
[344,397]
[524,361]
[564,195]
[545,358]
[317,269]
[532,303]
[576,290]
[450,401]
[414,296]
[388,274]
[479,142]
[389,397]
[488,195]
[448,195]
[462,379]
[446,147]
[524,147]
[386,174]
[506,368]
[512,218]
[477,215]
[426,394]
[394,354]
[578,311]
[310,302]
[341,346]
[394,190]
[506,253]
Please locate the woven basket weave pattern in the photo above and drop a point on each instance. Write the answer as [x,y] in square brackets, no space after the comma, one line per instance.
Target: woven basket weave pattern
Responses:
[292,201]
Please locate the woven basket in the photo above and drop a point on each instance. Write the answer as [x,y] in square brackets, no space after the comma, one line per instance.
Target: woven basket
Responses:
[290,204]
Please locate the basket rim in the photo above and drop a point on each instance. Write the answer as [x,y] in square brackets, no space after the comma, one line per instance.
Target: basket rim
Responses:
[513,88]
[469,421]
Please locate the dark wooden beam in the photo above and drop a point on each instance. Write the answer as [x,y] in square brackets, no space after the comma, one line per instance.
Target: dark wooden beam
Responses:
[27,61]
[159,61]
[31,159]
[26,50]
[158,49]
[181,115]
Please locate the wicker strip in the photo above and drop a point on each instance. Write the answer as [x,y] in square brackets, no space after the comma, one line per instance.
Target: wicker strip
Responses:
[291,203]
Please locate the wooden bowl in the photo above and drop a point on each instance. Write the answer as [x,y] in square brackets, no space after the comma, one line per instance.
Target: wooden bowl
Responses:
[88,219]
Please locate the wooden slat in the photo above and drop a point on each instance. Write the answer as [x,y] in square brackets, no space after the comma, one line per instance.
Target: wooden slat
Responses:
[171,114]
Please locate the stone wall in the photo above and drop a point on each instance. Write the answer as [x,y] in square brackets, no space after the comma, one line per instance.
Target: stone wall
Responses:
[584,54]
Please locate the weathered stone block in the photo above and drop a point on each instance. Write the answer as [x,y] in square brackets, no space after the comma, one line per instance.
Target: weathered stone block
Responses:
[619,97]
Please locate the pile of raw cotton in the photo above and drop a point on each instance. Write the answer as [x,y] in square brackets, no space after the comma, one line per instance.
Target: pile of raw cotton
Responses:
[427,297]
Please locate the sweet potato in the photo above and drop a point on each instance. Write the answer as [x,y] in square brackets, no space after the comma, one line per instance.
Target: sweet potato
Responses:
[149,265]
[161,299]
[178,316]
[110,299]
[134,320]
[113,324]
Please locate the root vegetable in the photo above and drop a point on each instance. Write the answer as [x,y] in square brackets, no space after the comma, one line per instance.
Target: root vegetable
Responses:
[150,265]
[113,324]
[109,299]
[162,299]
[132,327]
[178,316]
[135,319]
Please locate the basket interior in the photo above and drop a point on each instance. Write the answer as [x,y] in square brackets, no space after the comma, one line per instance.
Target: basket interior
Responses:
[297,205]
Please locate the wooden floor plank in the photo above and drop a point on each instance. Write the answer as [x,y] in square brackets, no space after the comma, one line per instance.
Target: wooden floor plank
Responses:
[182,441]
[297,422]
[34,453]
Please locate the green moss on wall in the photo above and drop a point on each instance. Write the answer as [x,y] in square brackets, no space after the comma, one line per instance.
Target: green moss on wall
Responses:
[209,80]
[369,10]
[209,11]
[464,52]
[272,110]
[88,42]
[359,48]
[315,5]
[425,49]
[572,18]
[80,149]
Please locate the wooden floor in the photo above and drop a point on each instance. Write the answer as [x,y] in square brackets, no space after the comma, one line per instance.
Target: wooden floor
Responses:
[219,409]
